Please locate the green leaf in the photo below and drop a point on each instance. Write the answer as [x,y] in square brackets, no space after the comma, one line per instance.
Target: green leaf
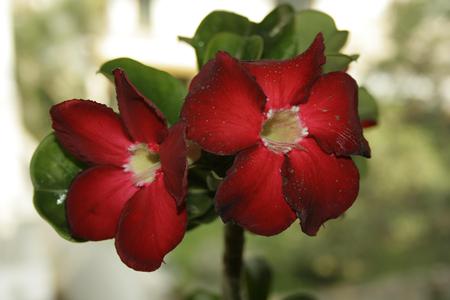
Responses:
[214,23]
[362,165]
[52,171]
[338,62]
[200,207]
[275,21]
[336,41]
[208,217]
[253,48]
[213,181]
[186,40]
[198,202]
[240,47]
[277,29]
[163,89]
[258,279]
[367,106]
[310,22]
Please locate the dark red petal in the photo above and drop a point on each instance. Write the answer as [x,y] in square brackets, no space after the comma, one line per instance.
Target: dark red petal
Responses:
[319,186]
[288,82]
[251,193]
[91,131]
[368,123]
[199,80]
[173,155]
[223,110]
[331,115]
[95,201]
[150,227]
[143,120]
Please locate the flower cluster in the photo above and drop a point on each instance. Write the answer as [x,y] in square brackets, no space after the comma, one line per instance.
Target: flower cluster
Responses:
[291,128]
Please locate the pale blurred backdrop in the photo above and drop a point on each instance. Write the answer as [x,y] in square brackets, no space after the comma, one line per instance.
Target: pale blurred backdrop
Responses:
[393,244]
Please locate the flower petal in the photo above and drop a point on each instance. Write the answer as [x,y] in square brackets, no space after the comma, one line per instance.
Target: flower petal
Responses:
[95,201]
[288,82]
[223,110]
[143,120]
[91,132]
[319,186]
[173,155]
[150,227]
[368,123]
[251,193]
[331,115]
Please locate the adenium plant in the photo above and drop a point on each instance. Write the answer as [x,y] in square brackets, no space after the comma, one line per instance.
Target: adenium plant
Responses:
[265,134]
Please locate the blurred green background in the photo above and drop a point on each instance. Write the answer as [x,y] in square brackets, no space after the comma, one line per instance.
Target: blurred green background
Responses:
[394,243]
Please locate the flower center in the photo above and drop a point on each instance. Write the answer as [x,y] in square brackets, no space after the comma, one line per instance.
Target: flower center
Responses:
[143,163]
[282,130]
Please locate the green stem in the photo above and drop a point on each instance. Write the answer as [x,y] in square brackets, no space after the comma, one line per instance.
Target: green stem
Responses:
[232,260]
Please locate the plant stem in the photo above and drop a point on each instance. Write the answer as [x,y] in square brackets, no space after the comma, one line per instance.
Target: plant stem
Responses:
[232,260]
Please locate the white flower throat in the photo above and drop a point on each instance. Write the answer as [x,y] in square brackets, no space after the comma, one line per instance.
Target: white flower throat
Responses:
[143,163]
[283,129]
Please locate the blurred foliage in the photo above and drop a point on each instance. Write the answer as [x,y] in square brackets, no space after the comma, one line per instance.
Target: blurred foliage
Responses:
[258,279]
[418,67]
[55,49]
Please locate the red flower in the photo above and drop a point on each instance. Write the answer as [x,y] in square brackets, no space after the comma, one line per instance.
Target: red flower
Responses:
[135,188]
[293,130]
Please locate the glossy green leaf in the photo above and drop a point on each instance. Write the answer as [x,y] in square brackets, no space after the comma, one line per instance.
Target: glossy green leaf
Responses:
[240,47]
[277,30]
[338,62]
[253,48]
[336,41]
[367,106]
[214,23]
[258,279]
[308,23]
[163,89]
[275,21]
[52,171]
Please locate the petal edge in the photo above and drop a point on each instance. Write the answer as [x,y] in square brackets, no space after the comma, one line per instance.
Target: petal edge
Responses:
[95,201]
[173,155]
[319,186]
[251,193]
[90,131]
[150,227]
[331,115]
[288,82]
[223,110]
[142,119]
